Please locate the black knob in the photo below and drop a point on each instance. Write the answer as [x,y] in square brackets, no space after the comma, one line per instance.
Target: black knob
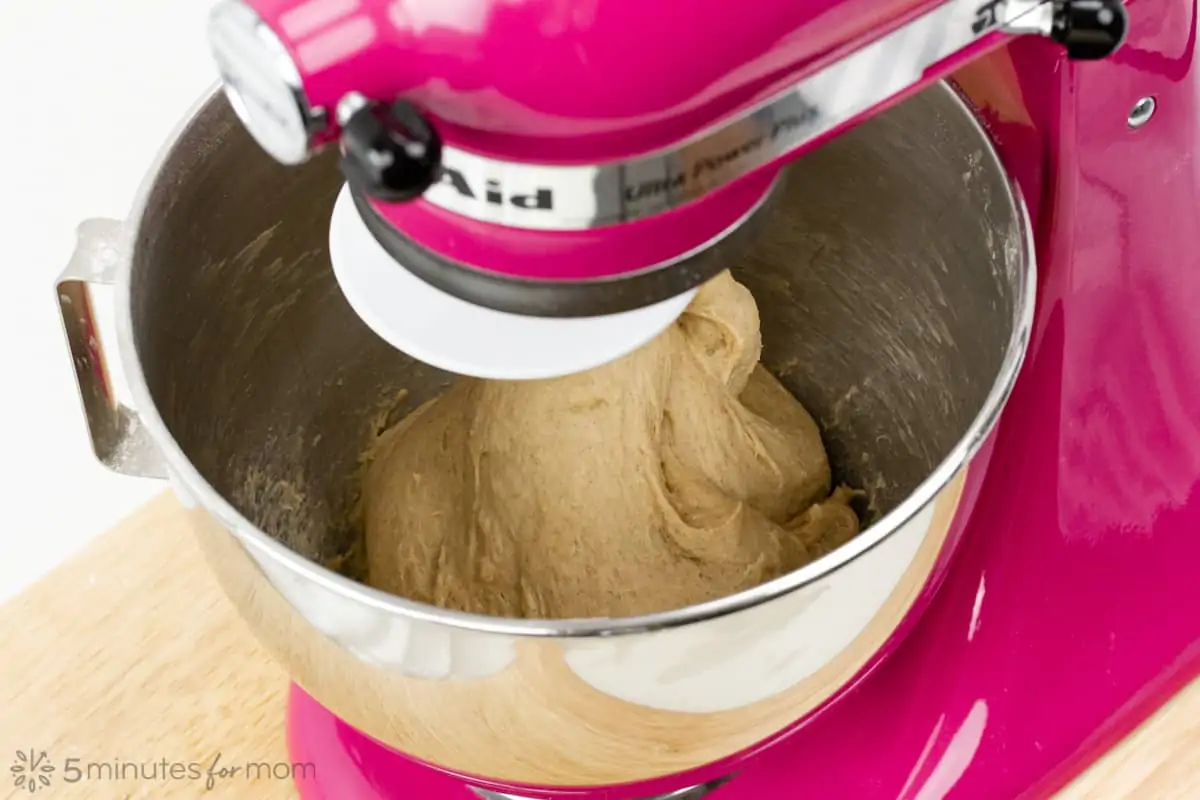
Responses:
[1090,29]
[391,153]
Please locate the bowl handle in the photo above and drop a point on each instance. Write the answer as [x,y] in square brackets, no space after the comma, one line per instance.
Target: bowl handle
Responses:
[86,299]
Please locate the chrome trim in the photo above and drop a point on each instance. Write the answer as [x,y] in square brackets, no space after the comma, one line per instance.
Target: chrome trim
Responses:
[262,84]
[572,298]
[1142,111]
[583,197]
[1028,17]
[263,546]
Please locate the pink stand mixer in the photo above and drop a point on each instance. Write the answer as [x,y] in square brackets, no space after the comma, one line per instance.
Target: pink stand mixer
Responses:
[536,187]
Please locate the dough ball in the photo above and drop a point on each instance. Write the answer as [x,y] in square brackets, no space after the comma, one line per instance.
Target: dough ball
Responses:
[676,475]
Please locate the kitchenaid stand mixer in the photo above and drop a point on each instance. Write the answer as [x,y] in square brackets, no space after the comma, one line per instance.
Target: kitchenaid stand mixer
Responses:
[538,187]
[1084,575]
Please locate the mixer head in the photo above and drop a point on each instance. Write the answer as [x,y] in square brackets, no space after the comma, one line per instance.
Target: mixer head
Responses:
[537,188]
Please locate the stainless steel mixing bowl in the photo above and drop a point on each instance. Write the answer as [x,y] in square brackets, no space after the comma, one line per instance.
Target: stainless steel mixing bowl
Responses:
[895,282]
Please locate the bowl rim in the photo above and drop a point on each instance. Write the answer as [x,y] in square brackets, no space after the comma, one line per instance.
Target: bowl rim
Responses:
[262,545]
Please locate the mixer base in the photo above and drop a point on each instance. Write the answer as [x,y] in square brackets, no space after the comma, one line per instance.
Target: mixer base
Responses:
[1038,654]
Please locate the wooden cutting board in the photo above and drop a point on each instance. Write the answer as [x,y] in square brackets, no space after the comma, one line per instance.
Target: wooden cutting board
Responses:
[128,654]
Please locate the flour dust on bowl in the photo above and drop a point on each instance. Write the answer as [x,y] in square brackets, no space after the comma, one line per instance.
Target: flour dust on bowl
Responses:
[894,282]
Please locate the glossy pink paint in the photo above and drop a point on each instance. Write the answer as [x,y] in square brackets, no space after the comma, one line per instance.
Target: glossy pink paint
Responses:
[616,249]
[1071,610]
[552,81]
[567,80]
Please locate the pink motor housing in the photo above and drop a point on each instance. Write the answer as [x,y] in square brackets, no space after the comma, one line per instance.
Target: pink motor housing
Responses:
[700,103]
[547,81]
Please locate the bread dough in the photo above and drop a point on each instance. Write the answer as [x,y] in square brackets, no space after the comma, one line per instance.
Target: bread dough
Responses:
[678,474]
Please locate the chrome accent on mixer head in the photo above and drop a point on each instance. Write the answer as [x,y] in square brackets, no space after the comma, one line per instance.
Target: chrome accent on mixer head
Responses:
[262,84]
[1026,16]
[654,283]
[581,197]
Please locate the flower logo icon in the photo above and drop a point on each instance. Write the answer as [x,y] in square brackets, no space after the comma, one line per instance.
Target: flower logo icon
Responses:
[31,770]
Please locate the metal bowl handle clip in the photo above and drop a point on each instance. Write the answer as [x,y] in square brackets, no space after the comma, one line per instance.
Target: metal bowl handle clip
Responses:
[86,301]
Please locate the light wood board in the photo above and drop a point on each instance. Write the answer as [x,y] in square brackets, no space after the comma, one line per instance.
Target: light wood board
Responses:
[129,654]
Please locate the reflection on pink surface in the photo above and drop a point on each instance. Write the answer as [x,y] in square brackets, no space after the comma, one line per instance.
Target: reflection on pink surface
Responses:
[944,773]
[1071,610]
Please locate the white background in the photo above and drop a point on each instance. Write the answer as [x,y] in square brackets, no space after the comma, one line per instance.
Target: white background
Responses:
[90,89]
